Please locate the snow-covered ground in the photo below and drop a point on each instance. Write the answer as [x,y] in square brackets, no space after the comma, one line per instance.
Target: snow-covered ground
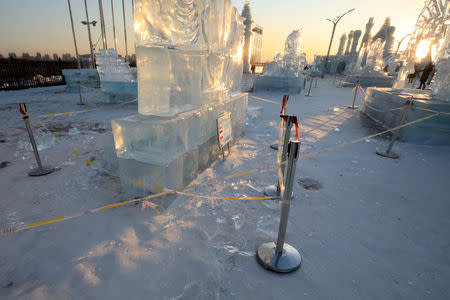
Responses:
[376,228]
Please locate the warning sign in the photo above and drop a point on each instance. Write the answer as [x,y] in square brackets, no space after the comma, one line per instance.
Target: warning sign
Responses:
[224,129]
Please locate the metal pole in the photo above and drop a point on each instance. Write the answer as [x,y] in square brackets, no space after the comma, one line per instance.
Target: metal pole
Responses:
[274,190]
[290,175]
[102,23]
[40,170]
[329,48]
[315,82]
[354,95]
[114,25]
[90,37]
[125,30]
[74,37]
[33,142]
[310,85]
[282,257]
[79,92]
[335,22]
[287,137]
[388,153]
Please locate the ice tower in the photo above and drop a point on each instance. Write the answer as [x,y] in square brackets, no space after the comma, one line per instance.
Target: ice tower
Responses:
[189,60]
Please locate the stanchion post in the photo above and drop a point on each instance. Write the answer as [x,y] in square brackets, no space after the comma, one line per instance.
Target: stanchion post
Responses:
[281,257]
[274,190]
[79,92]
[310,85]
[358,83]
[388,153]
[315,82]
[40,170]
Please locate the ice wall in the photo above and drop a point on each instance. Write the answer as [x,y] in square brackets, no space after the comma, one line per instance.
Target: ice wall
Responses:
[189,53]
[111,67]
[441,86]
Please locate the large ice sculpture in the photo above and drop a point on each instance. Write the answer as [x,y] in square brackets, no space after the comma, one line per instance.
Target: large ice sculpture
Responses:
[189,58]
[292,62]
[441,86]
[189,54]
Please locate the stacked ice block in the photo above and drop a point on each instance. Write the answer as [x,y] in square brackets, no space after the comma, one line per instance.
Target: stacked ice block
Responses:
[189,58]
[117,79]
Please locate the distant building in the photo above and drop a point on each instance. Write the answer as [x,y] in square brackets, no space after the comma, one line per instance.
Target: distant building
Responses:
[12,54]
[66,57]
[257,35]
[1,56]
[26,55]
[47,57]
[38,56]
[85,61]
[55,56]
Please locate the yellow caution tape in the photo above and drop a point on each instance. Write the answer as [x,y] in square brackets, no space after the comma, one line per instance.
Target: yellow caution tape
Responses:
[267,100]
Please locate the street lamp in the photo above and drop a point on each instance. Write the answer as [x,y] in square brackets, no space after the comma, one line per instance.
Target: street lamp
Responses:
[89,33]
[334,21]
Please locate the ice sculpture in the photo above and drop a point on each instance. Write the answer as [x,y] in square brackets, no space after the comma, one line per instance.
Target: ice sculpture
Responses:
[189,58]
[117,79]
[112,68]
[430,28]
[189,53]
[341,45]
[441,86]
[247,15]
[292,62]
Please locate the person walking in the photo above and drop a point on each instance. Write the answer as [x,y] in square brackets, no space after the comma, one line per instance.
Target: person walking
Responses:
[425,74]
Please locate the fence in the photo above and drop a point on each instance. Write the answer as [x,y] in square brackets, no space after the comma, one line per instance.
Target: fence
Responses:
[26,73]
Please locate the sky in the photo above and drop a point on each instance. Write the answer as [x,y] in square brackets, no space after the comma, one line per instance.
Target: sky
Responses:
[44,25]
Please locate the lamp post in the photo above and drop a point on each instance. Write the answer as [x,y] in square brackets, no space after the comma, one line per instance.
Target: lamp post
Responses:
[334,21]
[102,25]
[89,33]
[125,29]
[74,37]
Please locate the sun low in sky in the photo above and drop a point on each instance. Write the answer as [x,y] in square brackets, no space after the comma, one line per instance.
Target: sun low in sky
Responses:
[44,26]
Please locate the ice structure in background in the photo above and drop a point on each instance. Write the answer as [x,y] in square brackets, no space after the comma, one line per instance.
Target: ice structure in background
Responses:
[431,34]
[117,79]
[189,59]
[285,71]
[441,86]
[290,64]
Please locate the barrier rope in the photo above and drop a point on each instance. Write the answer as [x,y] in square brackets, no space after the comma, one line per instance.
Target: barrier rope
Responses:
[221,179]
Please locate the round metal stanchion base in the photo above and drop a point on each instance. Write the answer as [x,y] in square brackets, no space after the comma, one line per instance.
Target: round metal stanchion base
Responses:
[79,103]
[289,260]
[271,191]
[352,107]
[309,95]
[384,153]
[40,172]
[274,146]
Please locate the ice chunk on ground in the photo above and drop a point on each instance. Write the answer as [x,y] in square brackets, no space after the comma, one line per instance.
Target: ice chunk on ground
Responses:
[238,221]
[268,224]
[74,131]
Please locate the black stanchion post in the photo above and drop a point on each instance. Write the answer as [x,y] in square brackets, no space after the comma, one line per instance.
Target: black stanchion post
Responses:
[388,153]
[40,170]
[310,85]
[358,83]
[281,257]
